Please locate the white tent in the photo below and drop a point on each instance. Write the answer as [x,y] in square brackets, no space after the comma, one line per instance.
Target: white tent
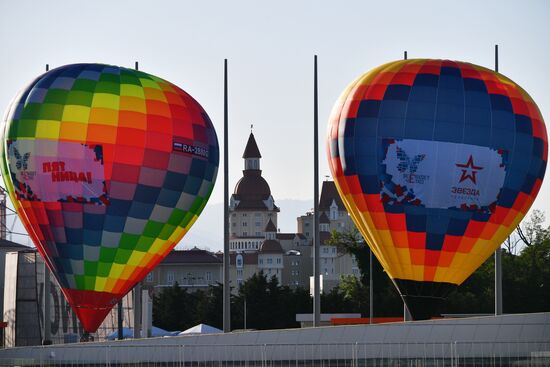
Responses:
[201,329]
[128,333]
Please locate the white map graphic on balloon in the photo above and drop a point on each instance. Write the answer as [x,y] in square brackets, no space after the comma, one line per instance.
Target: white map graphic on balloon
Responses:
[468,176]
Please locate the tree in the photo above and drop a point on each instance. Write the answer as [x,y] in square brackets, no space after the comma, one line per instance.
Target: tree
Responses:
[209,306]
[173,308]
[352,243]
[387,301]
[531,230]
[269,305]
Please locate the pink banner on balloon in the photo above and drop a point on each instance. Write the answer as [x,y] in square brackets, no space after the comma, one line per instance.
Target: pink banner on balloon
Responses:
[52,171]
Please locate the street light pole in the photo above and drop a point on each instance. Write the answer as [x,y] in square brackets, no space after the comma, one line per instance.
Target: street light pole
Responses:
[226,289]
[244,313]
[371,291]
[316,245]
[498,252]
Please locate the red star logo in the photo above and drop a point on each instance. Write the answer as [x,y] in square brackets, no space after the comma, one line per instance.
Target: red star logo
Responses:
[469,166]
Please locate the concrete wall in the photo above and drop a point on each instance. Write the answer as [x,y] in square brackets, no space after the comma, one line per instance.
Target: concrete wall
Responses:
[516,337]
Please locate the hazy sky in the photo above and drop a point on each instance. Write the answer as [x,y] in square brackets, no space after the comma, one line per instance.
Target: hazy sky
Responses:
[270,47]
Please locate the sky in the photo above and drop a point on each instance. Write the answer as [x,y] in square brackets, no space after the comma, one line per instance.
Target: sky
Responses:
[270,48]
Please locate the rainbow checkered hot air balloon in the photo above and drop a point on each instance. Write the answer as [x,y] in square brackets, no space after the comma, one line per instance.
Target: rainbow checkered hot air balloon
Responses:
[437,162]
[108,168]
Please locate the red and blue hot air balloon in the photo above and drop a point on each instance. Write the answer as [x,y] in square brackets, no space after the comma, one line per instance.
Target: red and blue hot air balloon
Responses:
[437,162]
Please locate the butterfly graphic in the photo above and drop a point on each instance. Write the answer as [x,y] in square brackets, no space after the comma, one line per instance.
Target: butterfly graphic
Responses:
[21,160]
[406,162]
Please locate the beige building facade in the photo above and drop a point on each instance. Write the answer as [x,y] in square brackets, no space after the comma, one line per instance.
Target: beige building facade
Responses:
[191,269]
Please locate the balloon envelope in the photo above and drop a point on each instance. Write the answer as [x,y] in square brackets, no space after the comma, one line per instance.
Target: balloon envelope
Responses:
[437,162]
[108,168]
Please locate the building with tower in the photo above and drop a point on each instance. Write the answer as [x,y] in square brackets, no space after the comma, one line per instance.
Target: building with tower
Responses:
[257,245]
[251,206]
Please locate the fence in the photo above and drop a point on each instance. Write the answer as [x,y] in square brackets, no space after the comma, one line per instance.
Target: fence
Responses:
[456,354]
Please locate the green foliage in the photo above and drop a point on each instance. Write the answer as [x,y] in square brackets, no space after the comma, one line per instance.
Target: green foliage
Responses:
[387,301]
[173,308]
[268,305]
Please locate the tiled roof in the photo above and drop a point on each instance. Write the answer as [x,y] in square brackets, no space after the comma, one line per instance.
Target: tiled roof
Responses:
[249,258]
[286,236]
[271,246]
[6,244]
[270,227]
[193,256]
[328,194]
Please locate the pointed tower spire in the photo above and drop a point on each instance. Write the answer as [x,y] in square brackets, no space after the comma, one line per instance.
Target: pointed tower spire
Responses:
[270,230]
[251,154]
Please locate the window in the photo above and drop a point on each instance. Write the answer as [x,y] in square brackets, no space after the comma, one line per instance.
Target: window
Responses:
[334,250]
[150,277]
[258,215]
[307,224]
[258,233]
[170,278]
[239,272]
[208,276]
[278,260]
[244,224]
[307,234]
[244,214]
[270,261]
[326,271]
[245,234]
[239,261]
[325,250]
[261,261]
[258,224]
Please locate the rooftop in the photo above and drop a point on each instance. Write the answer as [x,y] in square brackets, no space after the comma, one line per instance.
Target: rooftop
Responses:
[192,256]
[6,244]
[329,193]
[271,246]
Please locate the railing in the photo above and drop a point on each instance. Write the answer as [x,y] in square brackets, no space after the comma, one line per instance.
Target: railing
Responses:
[456,354]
